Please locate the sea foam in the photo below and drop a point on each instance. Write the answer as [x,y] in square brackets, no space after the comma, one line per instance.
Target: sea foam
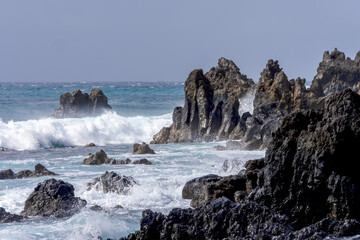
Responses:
[109,128]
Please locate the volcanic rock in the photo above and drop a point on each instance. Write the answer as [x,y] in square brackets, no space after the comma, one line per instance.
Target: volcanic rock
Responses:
[98,159]
[142,161]
[7,174]
[336,73]
[53,198]
[142,149]
[90,145]
[80,104]
[39,171]
[112,182]
[6,217]
[310,168]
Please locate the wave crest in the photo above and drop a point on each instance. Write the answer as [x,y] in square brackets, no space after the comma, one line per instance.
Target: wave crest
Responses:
[109,128]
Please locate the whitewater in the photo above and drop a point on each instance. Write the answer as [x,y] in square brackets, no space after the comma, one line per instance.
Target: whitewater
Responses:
[140,110]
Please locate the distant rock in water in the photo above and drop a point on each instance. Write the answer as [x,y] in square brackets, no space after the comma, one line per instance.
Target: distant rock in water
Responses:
[90,145]
[112,182]
[53,198]
[6,217]
[142,161]
[98,159]
[142,149]
[211,110]
[39,171]
[80,104]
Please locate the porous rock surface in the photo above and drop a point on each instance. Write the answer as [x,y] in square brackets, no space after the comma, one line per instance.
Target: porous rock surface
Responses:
[142,148]
[53,198]
[39,171]
[6,217]
[98,159]
[80,104]
[112,182]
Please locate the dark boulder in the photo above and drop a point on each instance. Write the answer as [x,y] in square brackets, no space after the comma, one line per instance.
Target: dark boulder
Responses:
[336,73]
[39,171]
[112,182]
[7,174]
[310,168]
[90,145]
[98,159]
[142,161]
[142,149]
[53,198]
[6,217]
[80,104]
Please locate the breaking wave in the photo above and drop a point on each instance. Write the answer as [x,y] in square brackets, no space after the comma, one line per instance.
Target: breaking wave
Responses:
[109,128]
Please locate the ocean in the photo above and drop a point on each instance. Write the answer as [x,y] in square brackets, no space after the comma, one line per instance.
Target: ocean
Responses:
[139,111]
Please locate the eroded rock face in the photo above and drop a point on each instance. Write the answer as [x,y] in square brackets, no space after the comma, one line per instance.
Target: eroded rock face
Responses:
[336,73]
[310,168]
[6,217]
[112,182]
[80,104]
[39,171]
[142,149]
[53,198]
[98,159]
[211,109]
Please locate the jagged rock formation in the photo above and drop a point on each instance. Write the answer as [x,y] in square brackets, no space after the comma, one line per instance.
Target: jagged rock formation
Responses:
[211,109]
[39,171]
[224,219]
[310,168]
[53,198]
[336,73]
[80,104]
[112,182]
[142,149]
[98,159]
[6,217]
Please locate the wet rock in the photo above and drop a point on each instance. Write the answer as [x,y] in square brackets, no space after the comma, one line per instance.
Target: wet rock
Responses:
[142,149]
[211,109]
[336,73]
[310,169]
[39,171]
[112,182]
[142,161]
[96,208]
[90,145]
[6,217]
[7,174]
[98,159]
[80,104]
[53,198]
[118,207]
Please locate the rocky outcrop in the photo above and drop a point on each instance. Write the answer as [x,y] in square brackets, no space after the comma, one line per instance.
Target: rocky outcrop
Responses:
[336,73]
[310,167]
[142,149]
[211,109]
[112,182]
[53,198]
[80,104]
[98,159]
[142,161]
[224,219]
[39,171]
[6,217]
[90,145]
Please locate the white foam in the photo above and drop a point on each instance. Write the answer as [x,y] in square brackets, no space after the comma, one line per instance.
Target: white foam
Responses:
[109,128]
[246,103]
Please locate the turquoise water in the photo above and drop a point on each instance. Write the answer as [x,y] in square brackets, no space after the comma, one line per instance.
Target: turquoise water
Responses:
[139,111]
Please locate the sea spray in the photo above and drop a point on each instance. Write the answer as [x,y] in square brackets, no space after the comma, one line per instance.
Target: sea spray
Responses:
[109,128]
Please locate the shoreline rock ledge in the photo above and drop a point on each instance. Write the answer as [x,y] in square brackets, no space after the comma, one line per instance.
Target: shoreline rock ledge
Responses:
[78,104]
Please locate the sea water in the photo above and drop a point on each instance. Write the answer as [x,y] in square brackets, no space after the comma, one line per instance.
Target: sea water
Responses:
[139,111]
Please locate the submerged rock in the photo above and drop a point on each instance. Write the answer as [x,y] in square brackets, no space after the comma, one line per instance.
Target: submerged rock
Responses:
[80,104]
[142,149]
[53,198]
[142,161]
[39,171]
[90,145]
[98,159]
[112,182]
[6,217]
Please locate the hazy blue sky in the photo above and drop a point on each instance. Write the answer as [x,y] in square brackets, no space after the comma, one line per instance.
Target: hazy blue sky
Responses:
[164,40]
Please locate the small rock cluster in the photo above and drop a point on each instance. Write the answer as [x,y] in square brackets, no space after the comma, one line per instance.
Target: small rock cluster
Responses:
[101,157]
[39,171]
[112,182]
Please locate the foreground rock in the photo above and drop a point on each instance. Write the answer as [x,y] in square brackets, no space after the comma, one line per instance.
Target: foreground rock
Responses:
[211,109]
[6,217]
[53,198]
[142,149]
[39,171]
[80,104]
[112,182]
[223,218]
[98,159]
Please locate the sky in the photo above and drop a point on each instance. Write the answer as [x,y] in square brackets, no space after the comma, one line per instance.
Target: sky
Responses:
[153,40]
